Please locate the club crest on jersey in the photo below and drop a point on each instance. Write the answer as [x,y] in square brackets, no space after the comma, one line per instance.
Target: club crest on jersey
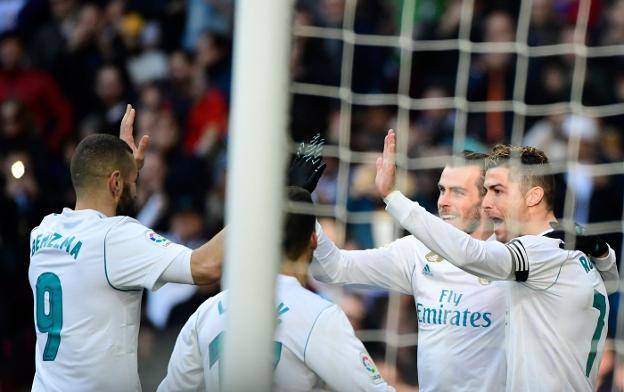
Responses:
[157,239]
[433,257]
[370,367]
[484,281]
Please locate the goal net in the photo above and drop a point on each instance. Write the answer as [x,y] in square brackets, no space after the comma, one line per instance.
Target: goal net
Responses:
[450,75]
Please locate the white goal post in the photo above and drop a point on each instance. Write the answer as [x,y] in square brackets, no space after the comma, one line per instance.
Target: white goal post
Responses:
[257,155]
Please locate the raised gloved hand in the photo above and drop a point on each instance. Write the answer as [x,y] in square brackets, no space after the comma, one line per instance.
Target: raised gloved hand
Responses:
[307,166]
[591,245]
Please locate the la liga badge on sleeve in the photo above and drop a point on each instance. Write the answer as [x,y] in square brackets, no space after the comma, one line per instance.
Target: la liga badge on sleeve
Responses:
[370,367]
[157,239]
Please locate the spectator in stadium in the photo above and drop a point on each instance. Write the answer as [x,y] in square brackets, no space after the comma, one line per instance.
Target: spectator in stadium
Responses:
[39,92]
[67,47]
[545,26]
[84,339]
[110,88]
[213,57]
[315,344]
[152,200]
[179,87]
[492,79]
[207,118]
[552,279]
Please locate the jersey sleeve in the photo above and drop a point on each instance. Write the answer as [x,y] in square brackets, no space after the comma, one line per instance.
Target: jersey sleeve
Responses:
[390,267]
[607,266]
[185,371]
[136,257]
[488,259]
[338,357]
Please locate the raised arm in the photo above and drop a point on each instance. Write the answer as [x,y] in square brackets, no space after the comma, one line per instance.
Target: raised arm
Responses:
[489,259]
[390,267]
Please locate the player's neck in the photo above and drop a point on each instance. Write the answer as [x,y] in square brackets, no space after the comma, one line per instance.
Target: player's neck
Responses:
[538,222]
[95,203]
[298,269]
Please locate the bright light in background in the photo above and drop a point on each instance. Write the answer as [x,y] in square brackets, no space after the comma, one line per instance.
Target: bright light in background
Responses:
[17,169]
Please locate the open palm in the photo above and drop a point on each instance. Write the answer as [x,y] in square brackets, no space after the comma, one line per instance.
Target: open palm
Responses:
[386,168]
[126,133]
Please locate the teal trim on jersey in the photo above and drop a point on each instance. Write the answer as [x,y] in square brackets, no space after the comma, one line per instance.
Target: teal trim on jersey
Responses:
[106,269]
[600,303]
[281,309]
[277,353]
[220,308]
[214,349]
[50,323]
[305,348]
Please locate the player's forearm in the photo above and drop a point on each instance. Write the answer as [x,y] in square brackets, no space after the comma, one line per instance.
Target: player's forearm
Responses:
[207,261]
[607,266]
[483,258]
[374,267]
[328,257]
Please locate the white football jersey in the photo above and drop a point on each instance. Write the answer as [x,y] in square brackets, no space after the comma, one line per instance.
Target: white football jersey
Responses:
[558,305]
[461,318]
[87,272]
[314,345]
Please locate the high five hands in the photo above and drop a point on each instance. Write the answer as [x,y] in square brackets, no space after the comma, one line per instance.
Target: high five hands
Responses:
[386,167]
[126,130]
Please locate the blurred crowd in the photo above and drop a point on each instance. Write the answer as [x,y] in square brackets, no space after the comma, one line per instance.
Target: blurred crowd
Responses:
[68,68]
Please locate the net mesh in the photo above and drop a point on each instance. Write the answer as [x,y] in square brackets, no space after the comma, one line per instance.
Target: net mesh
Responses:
[360,110]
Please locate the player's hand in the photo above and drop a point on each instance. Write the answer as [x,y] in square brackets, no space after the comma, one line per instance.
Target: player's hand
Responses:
[126,133]
[386,168]
[591,245]
[307,166]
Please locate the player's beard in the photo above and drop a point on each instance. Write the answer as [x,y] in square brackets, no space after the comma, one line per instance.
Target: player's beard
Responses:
[473,220]
[126,202]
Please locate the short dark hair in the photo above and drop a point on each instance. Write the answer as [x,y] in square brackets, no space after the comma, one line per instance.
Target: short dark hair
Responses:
[298,227]
[99,155]
[533,168]
[472,158]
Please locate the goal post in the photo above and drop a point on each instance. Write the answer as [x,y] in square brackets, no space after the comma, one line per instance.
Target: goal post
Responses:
[257,154]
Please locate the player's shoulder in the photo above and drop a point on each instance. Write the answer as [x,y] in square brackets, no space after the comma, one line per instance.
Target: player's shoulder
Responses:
[533,242]
[410,246]
[218,301]
[125,226]
[298,298]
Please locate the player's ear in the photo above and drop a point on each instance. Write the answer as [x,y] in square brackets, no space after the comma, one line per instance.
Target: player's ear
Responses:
[313,241]
[534,196]
[115,183]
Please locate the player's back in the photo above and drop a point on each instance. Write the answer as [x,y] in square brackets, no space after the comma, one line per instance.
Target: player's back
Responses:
[296,311]
[86,329]
[314,345]
[557,320]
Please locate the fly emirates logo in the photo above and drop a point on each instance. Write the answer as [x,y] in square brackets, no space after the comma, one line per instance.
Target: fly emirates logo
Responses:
[450,311]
